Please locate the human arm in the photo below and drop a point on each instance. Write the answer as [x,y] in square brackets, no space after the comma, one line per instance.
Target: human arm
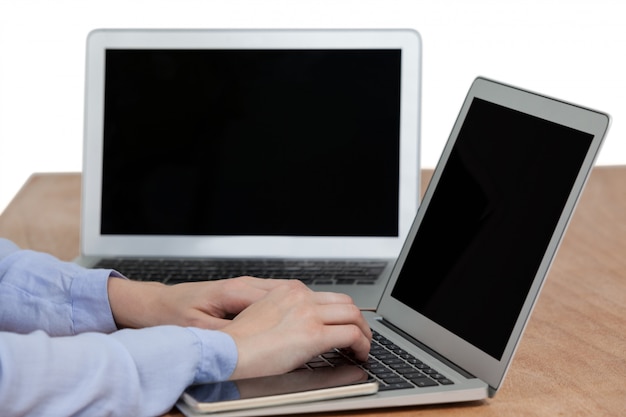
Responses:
[127,373]
[53,292]
[271,316]
[40,292]
[143,372]
[280,325]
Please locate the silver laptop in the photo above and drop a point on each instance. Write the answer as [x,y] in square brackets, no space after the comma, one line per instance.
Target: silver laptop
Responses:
[273,153]
[479,250]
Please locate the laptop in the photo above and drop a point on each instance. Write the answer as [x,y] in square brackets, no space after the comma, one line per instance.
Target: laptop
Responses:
[476,257]
[273,153]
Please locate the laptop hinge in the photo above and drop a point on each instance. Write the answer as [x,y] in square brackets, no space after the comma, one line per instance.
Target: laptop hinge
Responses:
[427,349]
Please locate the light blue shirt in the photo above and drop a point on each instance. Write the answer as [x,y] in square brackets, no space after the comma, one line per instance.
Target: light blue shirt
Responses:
[62,355]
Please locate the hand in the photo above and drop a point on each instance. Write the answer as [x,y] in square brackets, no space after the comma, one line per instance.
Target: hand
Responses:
[206,305]
[290,325]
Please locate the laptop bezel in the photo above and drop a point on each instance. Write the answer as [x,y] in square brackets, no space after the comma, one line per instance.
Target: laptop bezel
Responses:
[436,337]
[93,243]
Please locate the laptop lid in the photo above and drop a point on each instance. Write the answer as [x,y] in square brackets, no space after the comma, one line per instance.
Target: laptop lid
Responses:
[490,224]
[240,143]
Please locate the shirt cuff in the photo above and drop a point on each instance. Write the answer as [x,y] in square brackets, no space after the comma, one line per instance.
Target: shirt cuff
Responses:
[91,310]
[218,355]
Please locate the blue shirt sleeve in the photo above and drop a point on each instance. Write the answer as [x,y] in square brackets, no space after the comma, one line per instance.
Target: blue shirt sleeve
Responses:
[61,354]
[40,292]
[127,373]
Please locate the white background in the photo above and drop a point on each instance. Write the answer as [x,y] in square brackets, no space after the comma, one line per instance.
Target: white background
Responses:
[574,50]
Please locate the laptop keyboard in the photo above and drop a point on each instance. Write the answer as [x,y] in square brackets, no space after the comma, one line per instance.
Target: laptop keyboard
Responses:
[171,271]
[391,366]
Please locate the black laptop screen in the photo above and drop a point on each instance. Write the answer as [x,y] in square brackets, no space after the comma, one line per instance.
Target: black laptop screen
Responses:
[251,142]
[489,222]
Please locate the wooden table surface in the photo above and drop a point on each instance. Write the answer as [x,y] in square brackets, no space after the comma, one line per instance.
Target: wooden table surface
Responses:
[572,358]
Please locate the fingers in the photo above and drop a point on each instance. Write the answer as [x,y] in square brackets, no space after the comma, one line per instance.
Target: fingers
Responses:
[333,298]
[345,327]
[339,321]
[290,304]
[297,323]
[348,337]
[239,293]
[344,313]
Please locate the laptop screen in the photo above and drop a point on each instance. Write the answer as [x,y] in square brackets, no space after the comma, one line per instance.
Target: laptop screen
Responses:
[251,142]
[489,222]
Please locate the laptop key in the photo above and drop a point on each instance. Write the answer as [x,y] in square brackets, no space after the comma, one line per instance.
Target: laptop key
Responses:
[393,380]
[400,385]
[423,382]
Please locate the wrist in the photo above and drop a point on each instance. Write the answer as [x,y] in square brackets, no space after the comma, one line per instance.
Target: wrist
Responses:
[134,303]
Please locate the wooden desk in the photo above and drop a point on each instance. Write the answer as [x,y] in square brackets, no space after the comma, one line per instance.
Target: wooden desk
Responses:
[572,358]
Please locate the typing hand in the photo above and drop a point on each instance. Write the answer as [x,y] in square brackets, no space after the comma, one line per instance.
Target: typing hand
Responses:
[290,325]
[208,305]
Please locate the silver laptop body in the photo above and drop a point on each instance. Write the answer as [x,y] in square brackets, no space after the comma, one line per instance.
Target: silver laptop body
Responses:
[263,145]
[484,237]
